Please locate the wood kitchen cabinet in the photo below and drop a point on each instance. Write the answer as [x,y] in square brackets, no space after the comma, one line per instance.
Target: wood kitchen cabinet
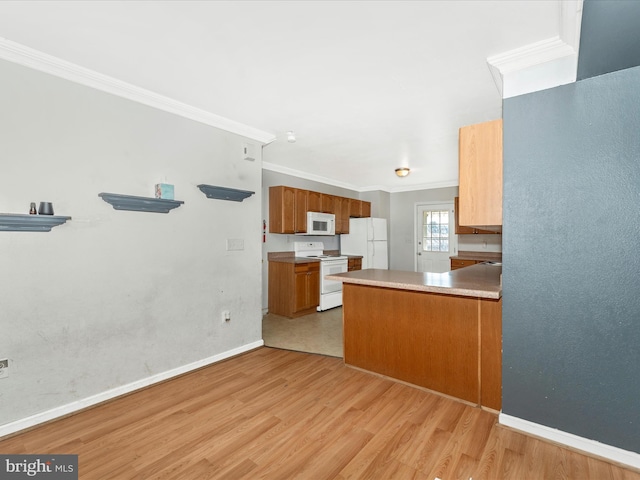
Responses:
[480,169]
[456,264]
[288,207]
[294,288]
[385,331]
[354,263]
[464,230]
[342,214]
[301,210]
[314,201]
[328,203]
[282,209]
[359,208]
[346,214]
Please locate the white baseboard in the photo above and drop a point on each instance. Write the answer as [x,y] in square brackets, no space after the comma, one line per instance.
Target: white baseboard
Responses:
[73,407]
[614,454]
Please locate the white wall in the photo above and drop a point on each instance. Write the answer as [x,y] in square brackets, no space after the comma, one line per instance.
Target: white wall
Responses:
[113,297]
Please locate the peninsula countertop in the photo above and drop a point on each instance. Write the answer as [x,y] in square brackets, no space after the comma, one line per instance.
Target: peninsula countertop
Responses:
[480,281]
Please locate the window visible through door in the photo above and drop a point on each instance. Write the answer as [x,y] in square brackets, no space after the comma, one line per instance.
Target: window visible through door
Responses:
[435,237]
[435,231]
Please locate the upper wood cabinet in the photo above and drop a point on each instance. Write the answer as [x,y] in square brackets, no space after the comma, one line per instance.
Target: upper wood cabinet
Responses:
[341,213]
[328,203]
[288,207]
[301,209]
[359,208]
[282,203]
[344,217]
[464,230]
[314,201]
[365,210]
[480,167]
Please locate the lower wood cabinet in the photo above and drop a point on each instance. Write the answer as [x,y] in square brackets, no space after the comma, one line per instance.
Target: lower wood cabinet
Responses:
[354,264]
[455,264]
[446,343]
[294,288]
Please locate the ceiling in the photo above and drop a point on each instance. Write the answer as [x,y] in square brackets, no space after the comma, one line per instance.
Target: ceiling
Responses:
[367,86]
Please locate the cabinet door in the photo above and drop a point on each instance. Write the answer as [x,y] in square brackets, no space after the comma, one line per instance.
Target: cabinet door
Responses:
[365,210]
[328,203]
[345,215]
[301,210]
[314,201]
[313,279]
[281,209]
[480,169]
[354,264]
[337,203]
[307,286]
[460,229]
[355,208]
[301,293]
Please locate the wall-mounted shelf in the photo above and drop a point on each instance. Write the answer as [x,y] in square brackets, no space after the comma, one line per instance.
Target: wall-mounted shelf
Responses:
[140,204]
[16,222]
[224,193]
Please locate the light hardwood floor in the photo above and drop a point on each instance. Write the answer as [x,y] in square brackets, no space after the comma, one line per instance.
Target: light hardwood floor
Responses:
[280,414]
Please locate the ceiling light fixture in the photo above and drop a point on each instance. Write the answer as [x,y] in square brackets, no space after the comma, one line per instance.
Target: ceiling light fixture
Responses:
[403,172]
[291,137]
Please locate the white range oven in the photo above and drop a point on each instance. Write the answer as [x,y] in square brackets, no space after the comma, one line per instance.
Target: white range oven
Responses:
[330,290]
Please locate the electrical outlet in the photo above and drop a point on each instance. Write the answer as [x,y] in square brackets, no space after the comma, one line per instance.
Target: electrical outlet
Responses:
[226,315]
[4,368]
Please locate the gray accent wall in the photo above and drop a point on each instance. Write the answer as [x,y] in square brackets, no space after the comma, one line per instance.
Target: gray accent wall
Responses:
[571,302]
[112,298]
[610,37]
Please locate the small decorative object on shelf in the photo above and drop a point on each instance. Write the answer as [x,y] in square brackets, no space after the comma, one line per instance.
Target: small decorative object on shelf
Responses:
[164,190]
[13,222]
[140,204]
[46,208]
[224,193]
[32,209]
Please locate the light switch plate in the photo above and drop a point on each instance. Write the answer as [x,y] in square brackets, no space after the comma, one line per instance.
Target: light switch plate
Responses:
[235,244]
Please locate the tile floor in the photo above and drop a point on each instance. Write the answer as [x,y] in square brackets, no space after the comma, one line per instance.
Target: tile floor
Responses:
[319,332]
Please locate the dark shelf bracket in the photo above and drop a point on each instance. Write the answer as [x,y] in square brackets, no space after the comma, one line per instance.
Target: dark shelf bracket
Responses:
[15,222]
[140,204]
[223,193]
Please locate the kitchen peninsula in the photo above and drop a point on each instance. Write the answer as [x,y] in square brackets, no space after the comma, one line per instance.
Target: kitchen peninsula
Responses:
[441,331]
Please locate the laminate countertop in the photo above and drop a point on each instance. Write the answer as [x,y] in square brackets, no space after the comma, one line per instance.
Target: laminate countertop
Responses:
[479,281]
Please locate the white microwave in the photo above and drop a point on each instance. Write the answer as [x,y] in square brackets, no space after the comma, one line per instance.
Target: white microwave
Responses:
[320,224]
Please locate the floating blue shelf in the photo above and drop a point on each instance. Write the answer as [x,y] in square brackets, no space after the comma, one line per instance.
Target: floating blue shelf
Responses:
[15,222]
[224,193]
[140,204]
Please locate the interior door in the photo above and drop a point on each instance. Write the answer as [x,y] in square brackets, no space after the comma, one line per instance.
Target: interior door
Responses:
[435,237]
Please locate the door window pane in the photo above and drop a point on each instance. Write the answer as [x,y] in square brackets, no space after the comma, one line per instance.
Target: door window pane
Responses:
[435,231]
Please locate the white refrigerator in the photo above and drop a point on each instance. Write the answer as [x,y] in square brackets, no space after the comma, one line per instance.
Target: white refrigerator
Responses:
[367,237]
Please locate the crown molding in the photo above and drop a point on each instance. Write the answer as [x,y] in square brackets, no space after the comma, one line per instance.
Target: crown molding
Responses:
[534,67]
[424,186]
[544,64]
[372,188]
[37,60]
[307,176]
